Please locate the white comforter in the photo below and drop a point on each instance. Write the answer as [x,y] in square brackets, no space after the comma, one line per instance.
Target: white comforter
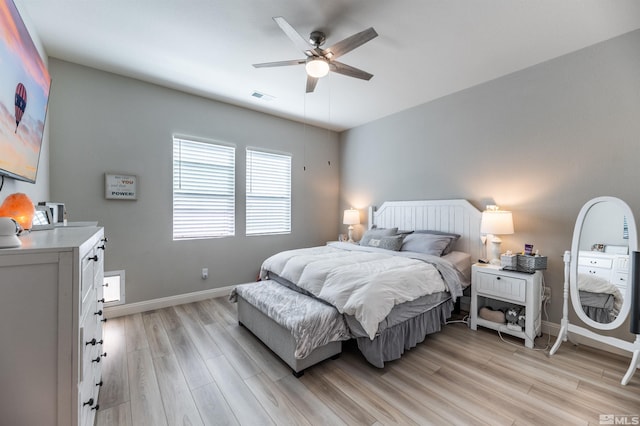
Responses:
[366,285]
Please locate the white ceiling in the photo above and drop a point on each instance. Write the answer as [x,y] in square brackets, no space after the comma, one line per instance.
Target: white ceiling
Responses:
[426,49]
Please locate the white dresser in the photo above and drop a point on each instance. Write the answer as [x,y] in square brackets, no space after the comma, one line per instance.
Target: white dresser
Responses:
[51,327]
[612,267]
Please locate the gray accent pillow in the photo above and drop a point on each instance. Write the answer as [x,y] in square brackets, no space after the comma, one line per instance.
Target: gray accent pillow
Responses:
[426,243]
[377,232]
[452,242]
[389,243]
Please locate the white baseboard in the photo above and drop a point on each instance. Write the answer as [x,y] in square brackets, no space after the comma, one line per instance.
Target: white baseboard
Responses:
[553,329]
[165,302]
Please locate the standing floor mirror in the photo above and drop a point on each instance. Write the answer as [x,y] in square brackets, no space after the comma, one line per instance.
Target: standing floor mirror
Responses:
[598,275]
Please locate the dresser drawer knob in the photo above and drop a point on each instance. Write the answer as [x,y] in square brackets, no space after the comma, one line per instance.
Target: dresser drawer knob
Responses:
[97,407]
[497,278]
[104,320]
[99,383]
[99,357]
[101,300]
[98,313]
[94,258]
[105,239]
[93,342]
[89,402]
[102,247]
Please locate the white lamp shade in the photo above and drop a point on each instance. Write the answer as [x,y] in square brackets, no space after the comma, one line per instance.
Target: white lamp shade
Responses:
[496,222]
[351,217]
[317,68]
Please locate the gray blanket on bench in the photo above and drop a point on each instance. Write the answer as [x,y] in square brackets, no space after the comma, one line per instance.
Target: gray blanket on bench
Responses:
[311,322]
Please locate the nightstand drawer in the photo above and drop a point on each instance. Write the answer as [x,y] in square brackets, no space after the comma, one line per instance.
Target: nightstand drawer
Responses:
[501,286]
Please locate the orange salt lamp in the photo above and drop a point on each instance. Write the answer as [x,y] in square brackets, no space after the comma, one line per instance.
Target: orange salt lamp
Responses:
[19,207]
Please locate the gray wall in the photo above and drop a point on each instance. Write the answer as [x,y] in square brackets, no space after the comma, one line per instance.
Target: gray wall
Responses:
[101,123]
[539,142]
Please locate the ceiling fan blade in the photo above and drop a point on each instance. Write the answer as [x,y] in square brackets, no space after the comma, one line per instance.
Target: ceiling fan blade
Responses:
[280,63]
[348,70]
[350,43]
[294,36]
[311,83]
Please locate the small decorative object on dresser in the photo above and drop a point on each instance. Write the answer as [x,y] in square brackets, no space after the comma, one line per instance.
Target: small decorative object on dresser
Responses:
[518,294]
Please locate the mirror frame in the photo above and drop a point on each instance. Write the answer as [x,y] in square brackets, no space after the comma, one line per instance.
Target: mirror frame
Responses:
[575,249]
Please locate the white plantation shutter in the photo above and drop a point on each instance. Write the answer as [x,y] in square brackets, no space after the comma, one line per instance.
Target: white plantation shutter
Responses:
[268,193]
[203,190]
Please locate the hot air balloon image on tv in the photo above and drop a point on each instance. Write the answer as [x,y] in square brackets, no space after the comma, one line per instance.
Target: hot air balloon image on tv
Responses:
[21,103]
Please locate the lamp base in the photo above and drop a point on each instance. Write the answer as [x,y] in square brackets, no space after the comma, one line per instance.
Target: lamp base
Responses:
[350,240]
[495,250]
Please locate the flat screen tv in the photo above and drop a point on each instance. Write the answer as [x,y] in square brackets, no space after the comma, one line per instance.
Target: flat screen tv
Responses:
[24,96]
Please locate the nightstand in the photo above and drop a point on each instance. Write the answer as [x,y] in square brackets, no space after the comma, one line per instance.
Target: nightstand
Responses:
[497,288]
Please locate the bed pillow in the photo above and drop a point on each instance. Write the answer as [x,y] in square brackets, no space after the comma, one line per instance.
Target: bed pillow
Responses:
[452,241]
[426,243]
[377,233]
[388,243]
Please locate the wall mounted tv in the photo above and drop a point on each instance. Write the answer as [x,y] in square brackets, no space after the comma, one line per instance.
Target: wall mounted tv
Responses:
[24,95]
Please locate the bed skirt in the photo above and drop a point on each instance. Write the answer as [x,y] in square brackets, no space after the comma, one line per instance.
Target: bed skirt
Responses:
[392,342]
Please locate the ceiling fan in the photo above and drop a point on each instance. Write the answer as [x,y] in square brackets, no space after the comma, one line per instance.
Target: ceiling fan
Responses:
[319,61]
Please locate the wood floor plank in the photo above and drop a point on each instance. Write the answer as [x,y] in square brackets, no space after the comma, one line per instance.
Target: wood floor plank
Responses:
[226,310]
[237,357]
[156,335]
[118,415]
[193,366]
[333,397]
[308,403]
[135,334]
[199,336]
[364,397]
[213,408]
[275,401]
[170,318]
[245,406]
[178,403]
[115,375]
[146,403]
[268,362]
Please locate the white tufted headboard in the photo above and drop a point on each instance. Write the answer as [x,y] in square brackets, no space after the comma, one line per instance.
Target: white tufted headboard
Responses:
[456,216]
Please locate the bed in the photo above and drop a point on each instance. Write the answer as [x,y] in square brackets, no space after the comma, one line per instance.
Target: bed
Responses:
[600,299]
[381,273]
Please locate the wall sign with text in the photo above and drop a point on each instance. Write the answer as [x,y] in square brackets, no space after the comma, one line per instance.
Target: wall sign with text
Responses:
[120,187]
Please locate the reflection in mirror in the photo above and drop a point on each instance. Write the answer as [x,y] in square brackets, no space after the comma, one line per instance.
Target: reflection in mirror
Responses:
[603,262]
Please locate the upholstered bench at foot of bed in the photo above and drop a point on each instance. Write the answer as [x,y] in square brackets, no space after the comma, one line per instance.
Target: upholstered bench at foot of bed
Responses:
[279,339]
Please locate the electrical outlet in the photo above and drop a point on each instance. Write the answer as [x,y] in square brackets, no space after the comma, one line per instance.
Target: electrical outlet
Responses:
[205,273]
[547,294]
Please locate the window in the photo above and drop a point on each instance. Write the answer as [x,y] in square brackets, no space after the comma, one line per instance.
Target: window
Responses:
[268,193]
[203,189]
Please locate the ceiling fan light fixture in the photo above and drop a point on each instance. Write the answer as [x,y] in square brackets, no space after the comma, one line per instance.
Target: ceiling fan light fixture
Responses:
[317,68]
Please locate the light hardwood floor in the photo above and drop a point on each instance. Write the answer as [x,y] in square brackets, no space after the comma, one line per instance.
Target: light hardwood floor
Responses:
[193,365]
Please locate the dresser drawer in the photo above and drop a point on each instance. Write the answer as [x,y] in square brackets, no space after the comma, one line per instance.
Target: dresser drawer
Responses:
[595,262]
[507,288]
[593,271]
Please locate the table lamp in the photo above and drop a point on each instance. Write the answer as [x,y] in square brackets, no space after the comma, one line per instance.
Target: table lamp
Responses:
[496,222]
[351,217]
